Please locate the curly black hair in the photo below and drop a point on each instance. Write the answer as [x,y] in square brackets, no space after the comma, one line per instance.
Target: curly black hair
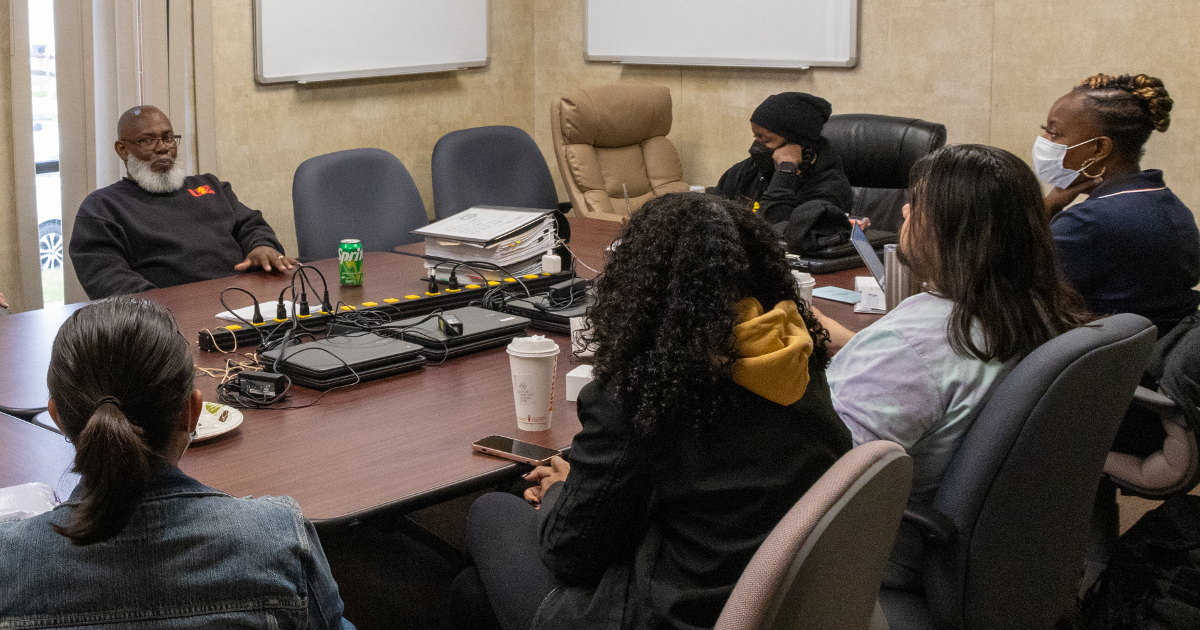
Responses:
[662,322]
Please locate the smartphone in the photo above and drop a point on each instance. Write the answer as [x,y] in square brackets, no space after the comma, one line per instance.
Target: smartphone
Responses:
[515,450]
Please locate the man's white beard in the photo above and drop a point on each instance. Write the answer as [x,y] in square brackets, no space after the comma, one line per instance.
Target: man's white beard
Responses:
[170,181]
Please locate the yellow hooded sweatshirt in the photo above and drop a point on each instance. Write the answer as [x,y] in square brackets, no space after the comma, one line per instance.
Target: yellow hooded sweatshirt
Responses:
[774,347]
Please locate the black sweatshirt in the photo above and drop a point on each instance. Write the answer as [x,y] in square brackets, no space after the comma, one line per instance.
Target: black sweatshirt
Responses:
[807,209]
[128,240]
[644,536]
[779,193]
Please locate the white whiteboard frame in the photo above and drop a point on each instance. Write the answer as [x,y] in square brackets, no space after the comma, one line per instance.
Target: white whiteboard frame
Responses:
[727,63]
[362,74]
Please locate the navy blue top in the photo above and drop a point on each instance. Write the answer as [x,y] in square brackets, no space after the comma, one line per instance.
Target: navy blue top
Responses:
[1132,247]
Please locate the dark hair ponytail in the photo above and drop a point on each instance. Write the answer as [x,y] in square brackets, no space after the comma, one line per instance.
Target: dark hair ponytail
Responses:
[120,377]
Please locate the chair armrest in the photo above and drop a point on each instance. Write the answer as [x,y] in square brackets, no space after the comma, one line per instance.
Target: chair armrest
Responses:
[25,414]
[1153,401]
[936,528]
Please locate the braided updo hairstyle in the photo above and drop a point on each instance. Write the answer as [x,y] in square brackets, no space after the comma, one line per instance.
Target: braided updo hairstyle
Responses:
[1128,108]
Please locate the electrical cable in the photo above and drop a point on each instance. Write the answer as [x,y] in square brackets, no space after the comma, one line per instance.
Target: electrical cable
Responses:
[257,311]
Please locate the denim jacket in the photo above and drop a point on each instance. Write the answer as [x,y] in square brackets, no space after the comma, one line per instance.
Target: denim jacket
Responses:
[190,557]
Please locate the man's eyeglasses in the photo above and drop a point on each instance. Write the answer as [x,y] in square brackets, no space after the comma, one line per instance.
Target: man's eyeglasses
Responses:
[148,144]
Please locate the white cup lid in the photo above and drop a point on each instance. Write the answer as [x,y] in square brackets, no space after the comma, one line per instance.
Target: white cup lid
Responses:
[802,276]
[535,344]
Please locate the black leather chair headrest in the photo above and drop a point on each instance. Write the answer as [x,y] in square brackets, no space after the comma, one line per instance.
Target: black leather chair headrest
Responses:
[879,151]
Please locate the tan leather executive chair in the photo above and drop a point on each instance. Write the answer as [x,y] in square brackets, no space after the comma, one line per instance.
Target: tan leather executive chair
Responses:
[614,135]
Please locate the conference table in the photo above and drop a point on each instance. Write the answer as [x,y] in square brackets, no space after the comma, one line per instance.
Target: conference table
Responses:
[374,450]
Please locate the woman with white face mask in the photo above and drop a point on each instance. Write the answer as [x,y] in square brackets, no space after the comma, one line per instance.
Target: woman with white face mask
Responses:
[1132,246]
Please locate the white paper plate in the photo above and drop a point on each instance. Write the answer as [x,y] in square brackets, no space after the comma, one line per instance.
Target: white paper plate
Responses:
[217,419]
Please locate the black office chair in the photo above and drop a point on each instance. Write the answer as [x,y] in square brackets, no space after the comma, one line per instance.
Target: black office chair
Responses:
[494,166]
[877,152]
[26,414]
[1005,542]
[365,194]
[33,415]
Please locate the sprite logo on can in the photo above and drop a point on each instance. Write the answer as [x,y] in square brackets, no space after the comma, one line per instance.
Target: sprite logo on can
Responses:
[350,262]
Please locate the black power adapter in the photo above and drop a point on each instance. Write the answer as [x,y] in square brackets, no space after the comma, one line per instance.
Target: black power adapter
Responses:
[569,289]
[261,385]
[450,325]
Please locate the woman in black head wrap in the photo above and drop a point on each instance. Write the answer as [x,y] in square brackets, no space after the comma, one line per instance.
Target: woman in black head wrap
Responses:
[792,174]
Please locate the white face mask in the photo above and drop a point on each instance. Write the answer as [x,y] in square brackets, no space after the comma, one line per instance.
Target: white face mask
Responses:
[1048,162]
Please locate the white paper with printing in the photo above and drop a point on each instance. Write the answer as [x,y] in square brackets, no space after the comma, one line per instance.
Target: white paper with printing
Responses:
[479,224]
[266,308]
[873,300]
[26,500]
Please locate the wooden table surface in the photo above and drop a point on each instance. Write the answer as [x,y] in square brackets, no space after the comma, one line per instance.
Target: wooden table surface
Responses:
[399,442]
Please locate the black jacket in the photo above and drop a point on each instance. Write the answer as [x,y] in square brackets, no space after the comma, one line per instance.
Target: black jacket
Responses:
[656,536]
[807,208]
[128,240]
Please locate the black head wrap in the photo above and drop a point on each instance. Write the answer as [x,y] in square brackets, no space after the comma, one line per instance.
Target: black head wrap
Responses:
[796,116]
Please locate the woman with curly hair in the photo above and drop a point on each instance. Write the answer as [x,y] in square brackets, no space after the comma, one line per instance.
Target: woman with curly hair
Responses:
[1132,246]
[708,418]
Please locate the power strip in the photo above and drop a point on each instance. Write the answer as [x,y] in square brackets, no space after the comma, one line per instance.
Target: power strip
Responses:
[226,338]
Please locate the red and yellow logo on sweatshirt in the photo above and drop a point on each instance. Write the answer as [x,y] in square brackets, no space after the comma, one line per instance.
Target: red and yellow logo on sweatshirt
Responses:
[201,191]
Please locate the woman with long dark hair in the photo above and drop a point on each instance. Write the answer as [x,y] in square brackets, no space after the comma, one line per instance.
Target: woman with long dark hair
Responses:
[976,235]
[708,418]
[139,542]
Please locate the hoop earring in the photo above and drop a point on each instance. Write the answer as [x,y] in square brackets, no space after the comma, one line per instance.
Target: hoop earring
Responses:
[1089,162]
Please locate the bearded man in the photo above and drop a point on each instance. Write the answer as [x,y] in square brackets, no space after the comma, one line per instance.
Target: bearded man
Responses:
[159,227]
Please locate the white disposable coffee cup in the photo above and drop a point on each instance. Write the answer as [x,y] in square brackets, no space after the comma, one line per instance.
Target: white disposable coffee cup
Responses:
[534,364]
[805,282]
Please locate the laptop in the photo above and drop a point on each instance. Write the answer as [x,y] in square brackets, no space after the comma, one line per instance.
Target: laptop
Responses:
[335,361]
[482,329]
[549,315]
[868,253]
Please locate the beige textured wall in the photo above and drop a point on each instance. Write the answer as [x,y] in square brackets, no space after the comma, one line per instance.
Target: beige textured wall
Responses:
[1042,49]
[987,69]
[10,270]
[923,58]
[265,132]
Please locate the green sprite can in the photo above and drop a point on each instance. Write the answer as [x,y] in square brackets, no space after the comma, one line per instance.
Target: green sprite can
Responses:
[350,262]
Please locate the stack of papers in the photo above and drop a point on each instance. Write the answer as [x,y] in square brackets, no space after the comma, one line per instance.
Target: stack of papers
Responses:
[512,238]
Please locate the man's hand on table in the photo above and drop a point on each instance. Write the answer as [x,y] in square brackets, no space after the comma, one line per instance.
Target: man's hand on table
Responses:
[270,260]
[546,476]
[3,304]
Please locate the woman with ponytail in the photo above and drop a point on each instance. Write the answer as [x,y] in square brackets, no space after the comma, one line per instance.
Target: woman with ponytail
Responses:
[1132,246]
[139,542]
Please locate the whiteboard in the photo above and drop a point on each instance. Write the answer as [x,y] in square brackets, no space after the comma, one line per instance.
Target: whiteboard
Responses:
[754,33]
[320,40]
